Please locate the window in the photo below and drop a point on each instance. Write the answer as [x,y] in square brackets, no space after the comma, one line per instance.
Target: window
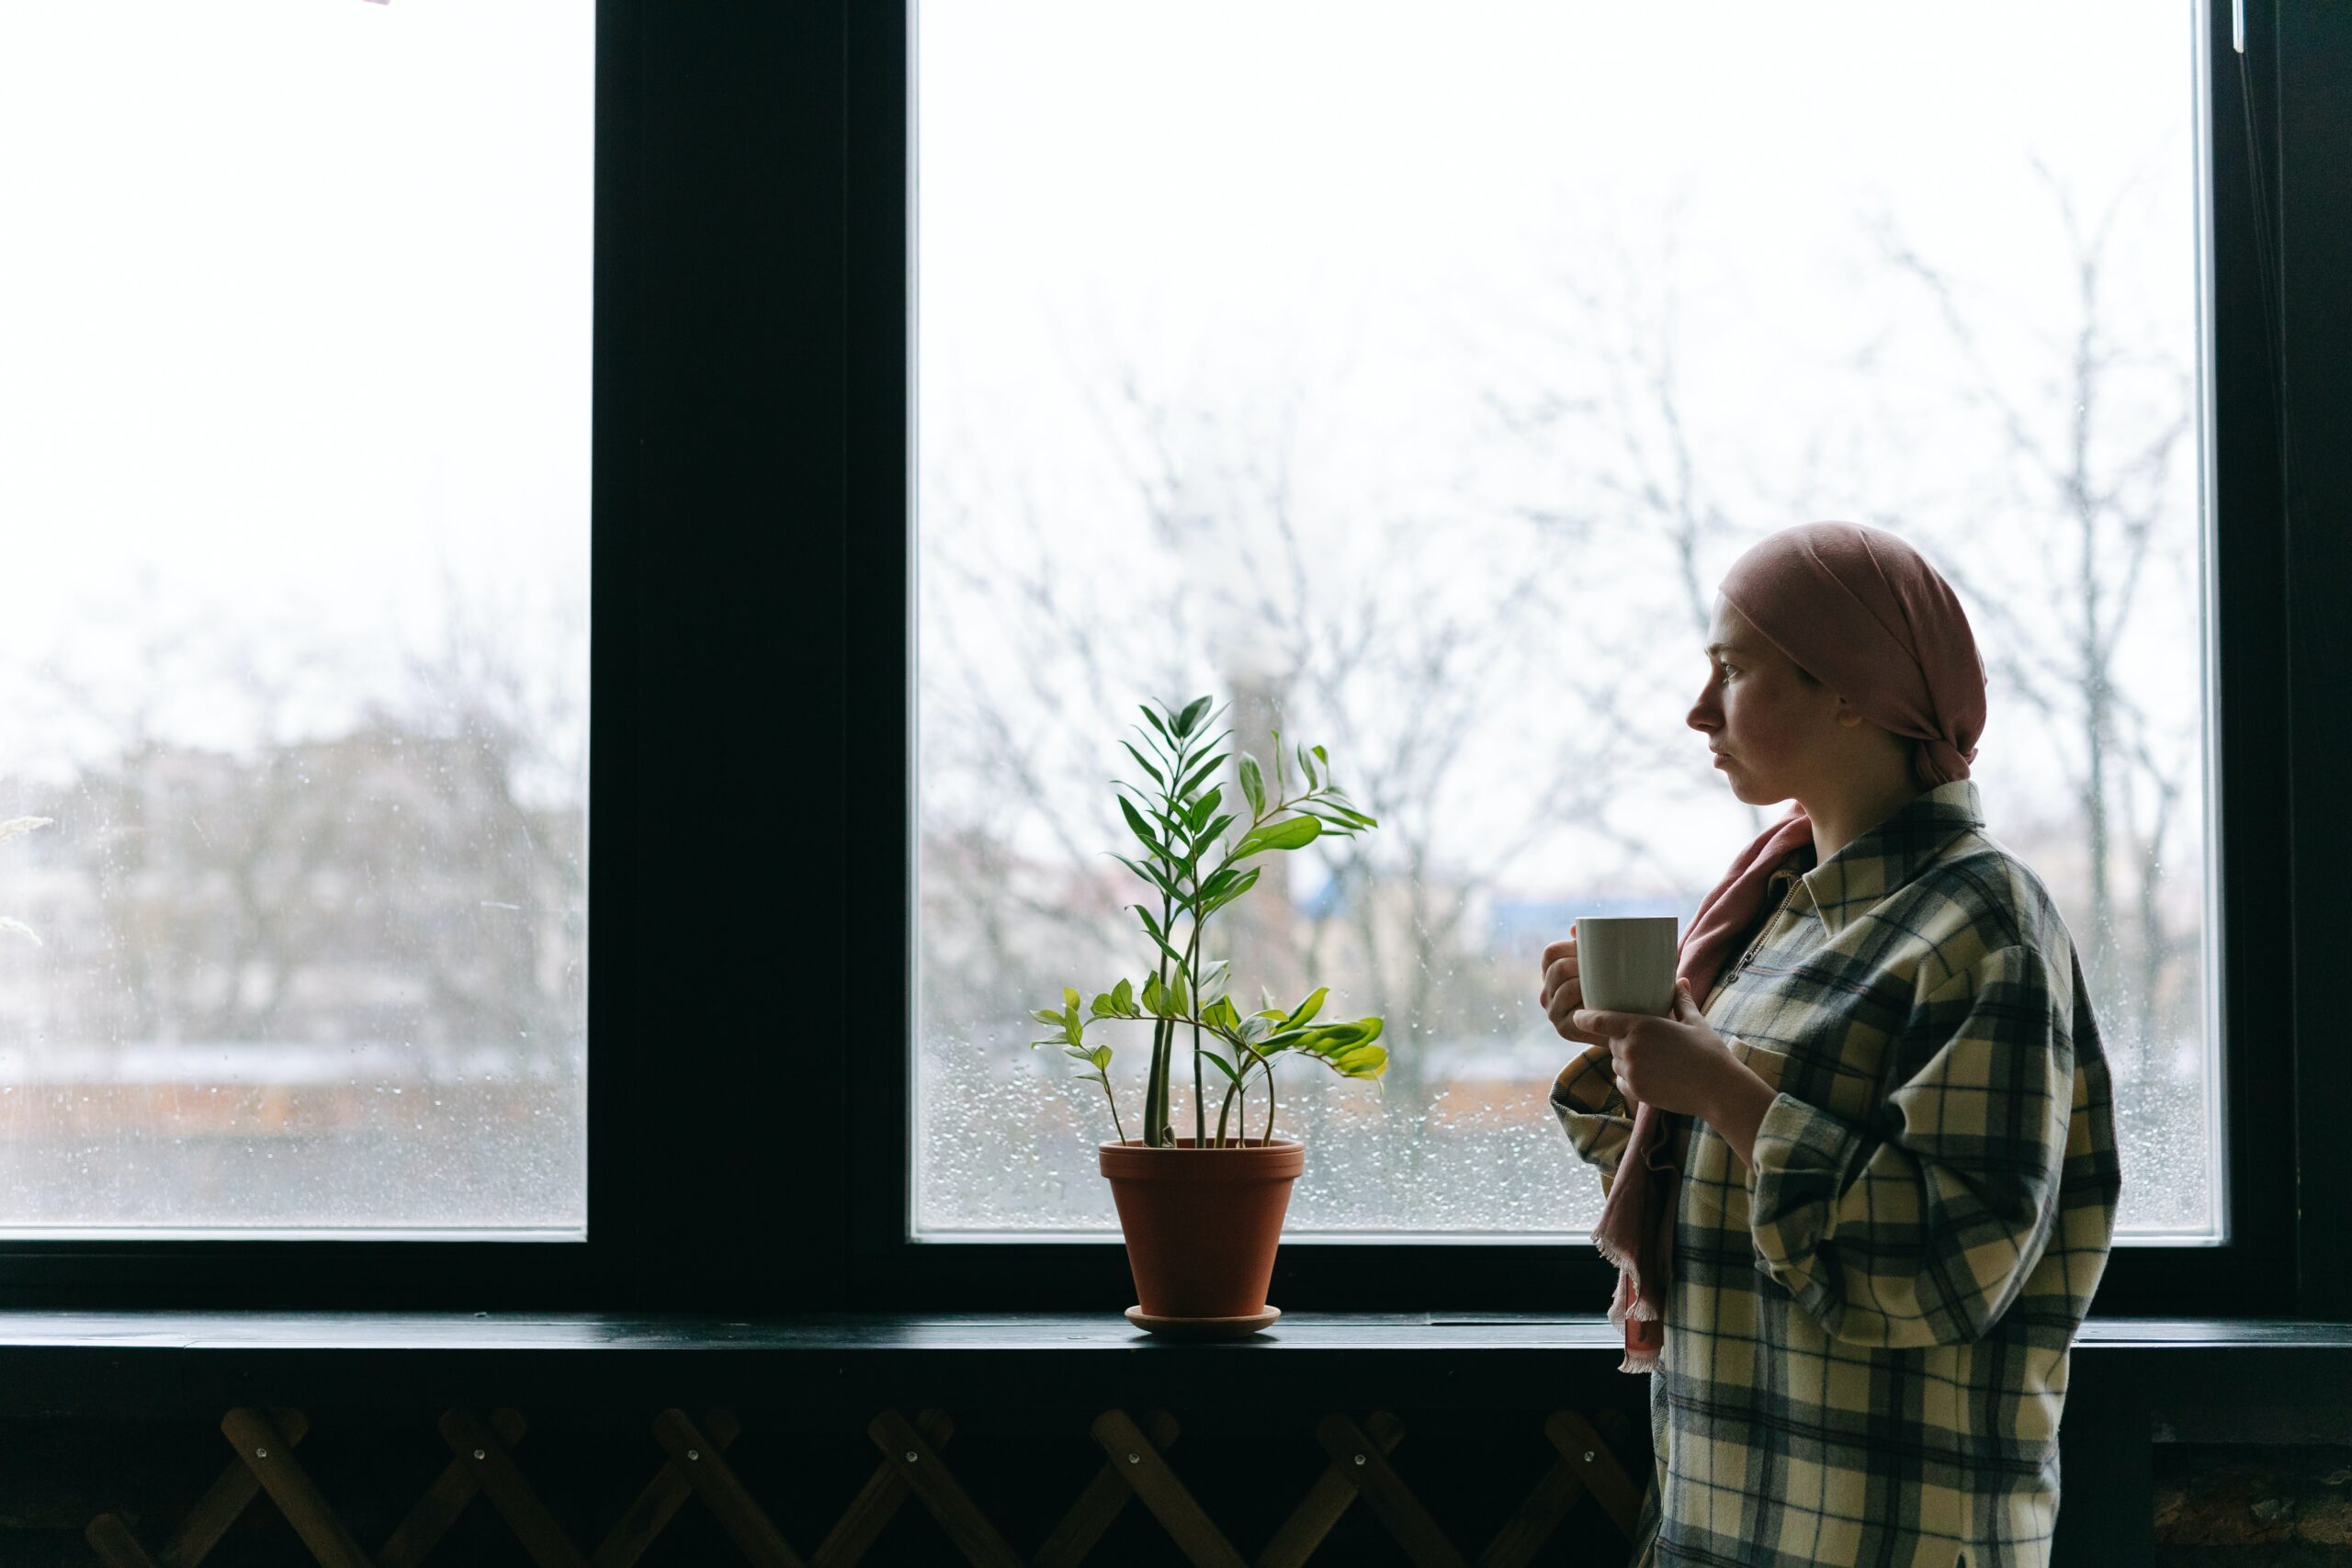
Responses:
[294,360]
[1410,389]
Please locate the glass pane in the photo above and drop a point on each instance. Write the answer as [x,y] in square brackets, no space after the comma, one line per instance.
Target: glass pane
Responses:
[294,368]
[1411,388]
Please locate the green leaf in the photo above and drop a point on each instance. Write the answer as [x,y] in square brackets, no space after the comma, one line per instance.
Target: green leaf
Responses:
[1349,1048]
[1157,725]
[1103,1007]
[1148,924]
[1100,1058]
[1256,1028]
[1178,1003]
[1148,875]
[1307,1008]
[1070,999]
[1155,996]
[1290,834]
[1240,884]
[1202,809]
[1047,1015]
[1221,1064]
[1253,785]
[1192,780]
[1122,996]
[1306,767]
[1174,956]
[1142,830]
[1212,982]
[1191,716]
[1157,776]
[1220,1013]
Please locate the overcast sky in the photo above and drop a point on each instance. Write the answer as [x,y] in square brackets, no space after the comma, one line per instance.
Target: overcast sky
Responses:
[1378,205]
[298,307]
[295,309]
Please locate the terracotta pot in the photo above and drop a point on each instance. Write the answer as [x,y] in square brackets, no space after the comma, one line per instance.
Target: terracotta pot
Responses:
[1201,1224]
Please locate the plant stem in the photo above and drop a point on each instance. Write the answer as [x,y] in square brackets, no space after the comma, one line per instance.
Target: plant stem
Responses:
[1113,1098]
[1193,967]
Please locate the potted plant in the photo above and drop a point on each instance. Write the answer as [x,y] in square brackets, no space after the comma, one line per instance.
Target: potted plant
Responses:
[1203,1214]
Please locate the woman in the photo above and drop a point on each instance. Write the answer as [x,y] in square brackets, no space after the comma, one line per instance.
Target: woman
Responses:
[1875,1176]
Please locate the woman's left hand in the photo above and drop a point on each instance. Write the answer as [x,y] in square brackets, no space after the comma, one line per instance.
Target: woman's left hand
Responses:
[1676,1062]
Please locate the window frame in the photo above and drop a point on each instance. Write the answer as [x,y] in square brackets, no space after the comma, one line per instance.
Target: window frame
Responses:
[2259,778]
[715,401]
[753,441]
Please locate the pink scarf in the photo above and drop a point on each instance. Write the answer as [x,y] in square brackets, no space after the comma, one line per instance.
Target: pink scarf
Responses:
[1862,612]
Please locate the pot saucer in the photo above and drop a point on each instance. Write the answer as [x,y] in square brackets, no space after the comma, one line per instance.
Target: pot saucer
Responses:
[1203,1328]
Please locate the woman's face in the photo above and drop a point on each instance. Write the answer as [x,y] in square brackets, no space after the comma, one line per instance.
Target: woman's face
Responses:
[1769,729]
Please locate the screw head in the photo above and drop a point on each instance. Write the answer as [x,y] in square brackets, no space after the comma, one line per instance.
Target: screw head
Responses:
[1135,1458]
[693,1454]
[910,1456]
[481,1453]
[261,1453]
[1358,1459]
[1588,1456]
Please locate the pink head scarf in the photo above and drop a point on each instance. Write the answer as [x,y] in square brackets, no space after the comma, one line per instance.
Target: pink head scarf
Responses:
[1865,615]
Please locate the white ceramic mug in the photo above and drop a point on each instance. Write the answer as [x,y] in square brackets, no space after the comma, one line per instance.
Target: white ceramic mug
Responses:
[1626,963]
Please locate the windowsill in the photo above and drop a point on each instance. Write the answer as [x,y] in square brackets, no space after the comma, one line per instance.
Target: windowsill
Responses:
[852,1332]
[178,1365]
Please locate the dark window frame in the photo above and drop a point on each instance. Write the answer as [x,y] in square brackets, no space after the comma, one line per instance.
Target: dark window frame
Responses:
[717,397]
[748,1078]
[2263,786]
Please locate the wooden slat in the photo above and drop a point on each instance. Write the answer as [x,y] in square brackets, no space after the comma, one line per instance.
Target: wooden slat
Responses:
[470,1438]
[114,1543]
[877,1502]
[1298,1537]
[1082,1525]
[715,1483]
[1603,1475]
[1385,1492]
[660,1502]
[1546,1506]
[430,1518]
[268,1453]
[226,1498]
[1140,1465]
[942,1495]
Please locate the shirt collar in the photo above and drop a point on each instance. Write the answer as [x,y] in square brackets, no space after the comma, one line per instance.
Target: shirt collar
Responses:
[1877,862]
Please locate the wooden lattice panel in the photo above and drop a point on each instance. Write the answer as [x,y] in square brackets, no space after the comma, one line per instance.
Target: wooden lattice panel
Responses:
[1360,1467]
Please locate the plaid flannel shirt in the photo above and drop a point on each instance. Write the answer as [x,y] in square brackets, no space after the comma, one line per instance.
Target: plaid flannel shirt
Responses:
[1867,1334]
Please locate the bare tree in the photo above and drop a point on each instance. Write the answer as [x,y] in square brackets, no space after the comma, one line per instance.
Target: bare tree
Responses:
[2102,469]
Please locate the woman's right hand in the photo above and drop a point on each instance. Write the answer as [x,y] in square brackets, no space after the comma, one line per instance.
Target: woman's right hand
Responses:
[1562,992]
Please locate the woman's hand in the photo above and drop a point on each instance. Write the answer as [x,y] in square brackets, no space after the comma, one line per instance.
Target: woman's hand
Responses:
[1678,1063]
[1563,993]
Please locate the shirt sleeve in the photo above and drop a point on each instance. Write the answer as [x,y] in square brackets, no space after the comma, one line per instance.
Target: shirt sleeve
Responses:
[1925,1236]
[1591,1112]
